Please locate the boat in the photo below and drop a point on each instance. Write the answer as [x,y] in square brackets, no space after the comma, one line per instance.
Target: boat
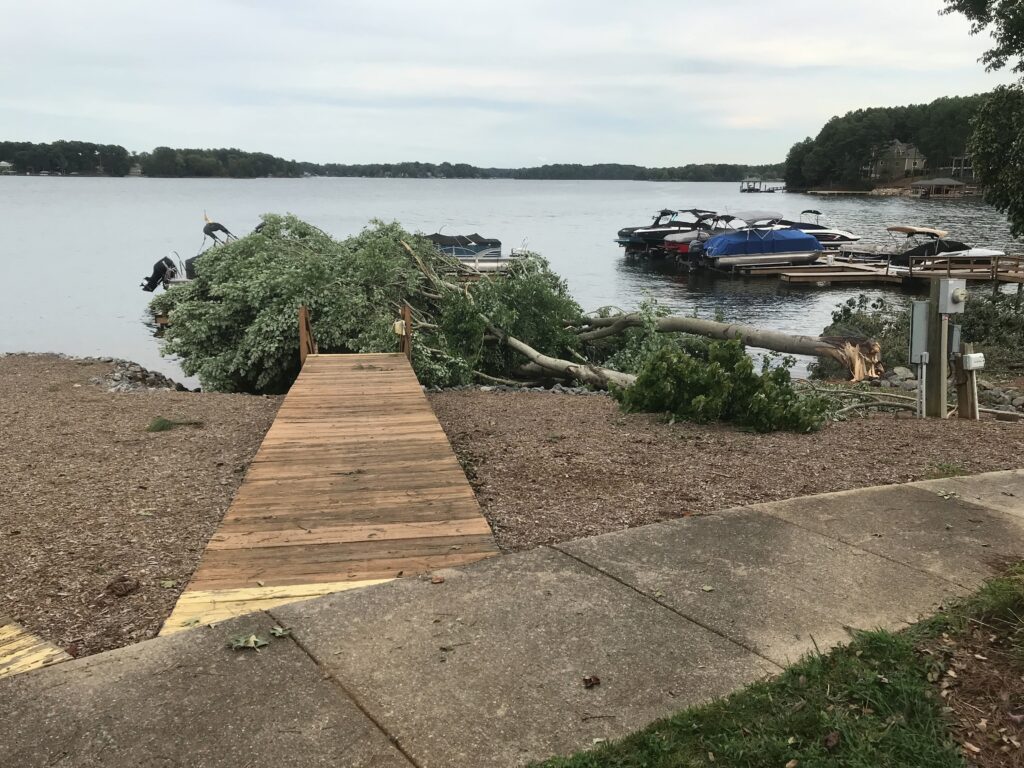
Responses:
[482,254]
[925,246]
[679,244]
[829,237]
[173,270]
[650,240]
[761,243]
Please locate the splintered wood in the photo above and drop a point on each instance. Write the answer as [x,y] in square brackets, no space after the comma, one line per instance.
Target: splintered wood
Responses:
[354,484]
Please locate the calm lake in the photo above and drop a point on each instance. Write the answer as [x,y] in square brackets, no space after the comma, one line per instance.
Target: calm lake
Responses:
[76,249]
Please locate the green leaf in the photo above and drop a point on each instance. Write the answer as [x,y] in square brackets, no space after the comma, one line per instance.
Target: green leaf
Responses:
[244,642]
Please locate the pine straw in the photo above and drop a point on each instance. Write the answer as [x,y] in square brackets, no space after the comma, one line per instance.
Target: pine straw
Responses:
[89,496]
[549,467]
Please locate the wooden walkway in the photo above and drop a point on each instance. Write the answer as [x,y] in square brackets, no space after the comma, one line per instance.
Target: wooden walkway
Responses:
[21,651]
[355,483]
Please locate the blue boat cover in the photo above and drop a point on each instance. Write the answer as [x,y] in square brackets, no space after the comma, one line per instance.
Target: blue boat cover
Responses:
[752,242]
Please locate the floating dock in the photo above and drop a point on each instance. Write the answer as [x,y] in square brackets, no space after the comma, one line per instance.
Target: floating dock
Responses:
[837,269]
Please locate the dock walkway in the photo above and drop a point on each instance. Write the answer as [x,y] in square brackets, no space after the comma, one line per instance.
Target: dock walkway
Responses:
[355,483]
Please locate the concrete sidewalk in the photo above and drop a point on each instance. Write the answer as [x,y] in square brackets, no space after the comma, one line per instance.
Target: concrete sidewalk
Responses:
[488,667]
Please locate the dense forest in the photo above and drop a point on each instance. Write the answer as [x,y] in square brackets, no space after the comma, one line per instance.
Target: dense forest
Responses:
[66,157]
[840,152]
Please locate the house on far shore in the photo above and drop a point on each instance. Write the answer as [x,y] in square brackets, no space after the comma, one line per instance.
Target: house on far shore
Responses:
[895,160]
[6,168]
[135,170]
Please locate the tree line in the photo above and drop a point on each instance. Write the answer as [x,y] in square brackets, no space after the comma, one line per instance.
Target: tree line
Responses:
[845,145]
[66,157]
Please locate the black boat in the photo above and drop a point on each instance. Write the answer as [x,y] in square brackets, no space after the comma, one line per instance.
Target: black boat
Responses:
[650,239]
[173,270]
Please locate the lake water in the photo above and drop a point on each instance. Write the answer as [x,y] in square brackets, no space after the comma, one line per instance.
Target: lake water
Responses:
[74,250]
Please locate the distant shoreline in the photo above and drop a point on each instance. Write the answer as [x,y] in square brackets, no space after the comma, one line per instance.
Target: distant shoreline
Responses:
[312,177]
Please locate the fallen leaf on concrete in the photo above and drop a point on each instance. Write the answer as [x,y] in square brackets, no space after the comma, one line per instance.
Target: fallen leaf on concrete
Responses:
[242,642]
[591,680]
[437,579]
[708,588]
[277,631]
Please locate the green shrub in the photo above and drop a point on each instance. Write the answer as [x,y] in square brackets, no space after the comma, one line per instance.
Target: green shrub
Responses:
[629,350]
[723,387]
[995,324]
[887,321]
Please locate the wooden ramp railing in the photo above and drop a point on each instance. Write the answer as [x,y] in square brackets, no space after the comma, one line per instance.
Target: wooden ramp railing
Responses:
[355,483]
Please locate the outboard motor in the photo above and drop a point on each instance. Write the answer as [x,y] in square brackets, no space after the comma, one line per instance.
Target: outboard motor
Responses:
[163,270]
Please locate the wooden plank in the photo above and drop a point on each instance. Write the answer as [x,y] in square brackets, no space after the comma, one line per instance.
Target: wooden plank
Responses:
[21,651]
[342,534]
[355,483]
[200,607]
[314,573]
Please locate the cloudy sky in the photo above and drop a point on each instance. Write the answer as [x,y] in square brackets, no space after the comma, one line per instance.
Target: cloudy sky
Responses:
[502,83]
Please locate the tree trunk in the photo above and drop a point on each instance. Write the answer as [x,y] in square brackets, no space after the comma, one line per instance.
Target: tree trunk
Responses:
[861,358]
[587,374]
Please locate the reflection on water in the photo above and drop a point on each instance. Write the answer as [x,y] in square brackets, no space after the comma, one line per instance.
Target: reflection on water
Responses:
[78,248]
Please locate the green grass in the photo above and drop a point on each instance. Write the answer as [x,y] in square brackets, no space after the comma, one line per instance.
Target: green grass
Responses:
[869,704]
[942,469]
[160,424]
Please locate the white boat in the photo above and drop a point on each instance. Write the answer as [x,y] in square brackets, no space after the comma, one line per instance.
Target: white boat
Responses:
[482,254]
[924,246]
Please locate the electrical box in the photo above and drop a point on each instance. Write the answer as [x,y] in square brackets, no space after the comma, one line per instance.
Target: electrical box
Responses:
[974,361]
[919,333]
[952,296]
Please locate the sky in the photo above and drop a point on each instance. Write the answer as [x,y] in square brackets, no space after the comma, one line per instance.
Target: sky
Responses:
[505,84]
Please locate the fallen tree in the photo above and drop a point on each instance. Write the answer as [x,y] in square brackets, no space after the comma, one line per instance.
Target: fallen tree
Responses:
[861,358]
[234,327]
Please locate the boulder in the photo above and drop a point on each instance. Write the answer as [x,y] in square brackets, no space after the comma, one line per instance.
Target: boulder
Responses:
[903,374]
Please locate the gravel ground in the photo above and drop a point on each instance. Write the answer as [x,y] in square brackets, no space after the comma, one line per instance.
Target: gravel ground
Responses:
[549,467]
[92,504]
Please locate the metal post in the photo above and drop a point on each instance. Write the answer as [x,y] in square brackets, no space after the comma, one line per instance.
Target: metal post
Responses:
[938,356]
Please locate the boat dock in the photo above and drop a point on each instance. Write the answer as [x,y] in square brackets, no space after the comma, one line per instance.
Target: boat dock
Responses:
[835,269]
[355,484]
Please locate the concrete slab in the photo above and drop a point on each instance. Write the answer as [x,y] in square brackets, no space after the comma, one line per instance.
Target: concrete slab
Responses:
[935,532]
[188,701]
[1002,491]
[488,667]
[775,587]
